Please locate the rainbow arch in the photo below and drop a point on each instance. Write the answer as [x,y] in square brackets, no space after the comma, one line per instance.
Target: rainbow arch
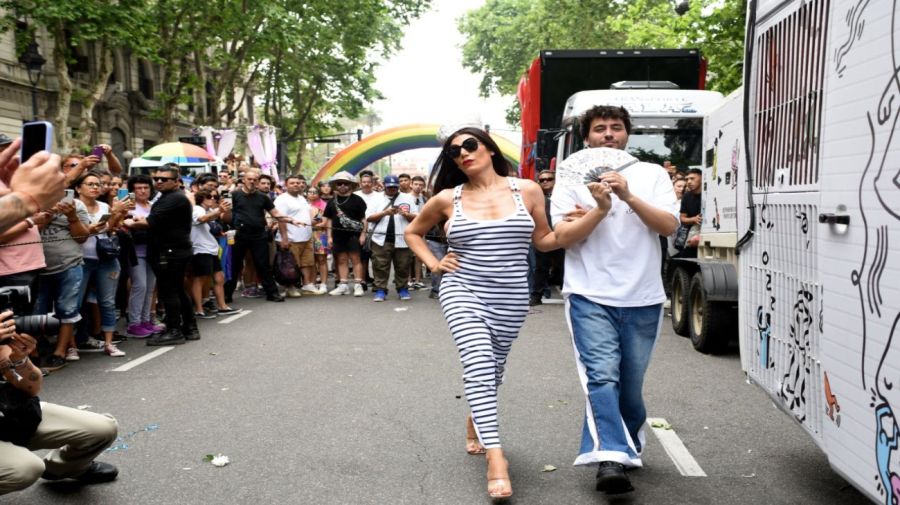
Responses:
[359,155]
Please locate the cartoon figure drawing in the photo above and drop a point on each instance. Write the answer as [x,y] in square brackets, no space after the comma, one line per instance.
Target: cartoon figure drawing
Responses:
[832,407]
[881,224]
[793,385]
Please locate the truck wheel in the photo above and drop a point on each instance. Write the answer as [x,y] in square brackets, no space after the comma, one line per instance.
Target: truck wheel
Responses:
[707,321]
[681,285]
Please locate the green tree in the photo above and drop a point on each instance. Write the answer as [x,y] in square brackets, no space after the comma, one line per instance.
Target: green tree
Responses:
[716,27]
[323,64]
[504,36]
[90,24]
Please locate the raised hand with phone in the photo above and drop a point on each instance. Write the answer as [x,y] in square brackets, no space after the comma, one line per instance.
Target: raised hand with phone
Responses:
[27,187]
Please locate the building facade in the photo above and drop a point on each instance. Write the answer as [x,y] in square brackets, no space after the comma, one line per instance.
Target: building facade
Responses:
[124,115]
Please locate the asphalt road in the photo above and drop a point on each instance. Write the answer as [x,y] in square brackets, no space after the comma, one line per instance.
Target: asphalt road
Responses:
[328,400]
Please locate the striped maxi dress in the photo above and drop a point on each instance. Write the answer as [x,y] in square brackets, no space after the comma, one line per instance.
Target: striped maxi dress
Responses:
[485,301]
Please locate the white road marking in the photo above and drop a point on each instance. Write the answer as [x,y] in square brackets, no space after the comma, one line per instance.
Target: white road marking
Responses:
[143,359]
[676,450]
[235,317]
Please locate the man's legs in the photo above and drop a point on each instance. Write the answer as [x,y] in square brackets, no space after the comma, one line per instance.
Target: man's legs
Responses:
[259,249]
[402,261]
[381,265]
[19,468]
[541,274]
[171,292]
[75,436]
[597,341]
[639,331]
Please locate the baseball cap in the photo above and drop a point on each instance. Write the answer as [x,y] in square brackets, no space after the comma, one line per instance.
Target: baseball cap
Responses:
[391,181]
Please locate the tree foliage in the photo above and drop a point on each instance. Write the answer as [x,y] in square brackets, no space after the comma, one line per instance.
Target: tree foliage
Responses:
[308,62]
[504,36]
[87,24]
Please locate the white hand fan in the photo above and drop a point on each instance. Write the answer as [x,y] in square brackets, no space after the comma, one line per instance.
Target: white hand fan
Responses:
[588,164]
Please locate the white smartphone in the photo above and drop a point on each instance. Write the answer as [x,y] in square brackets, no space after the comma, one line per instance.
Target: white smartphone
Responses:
[69,196]
[37,136]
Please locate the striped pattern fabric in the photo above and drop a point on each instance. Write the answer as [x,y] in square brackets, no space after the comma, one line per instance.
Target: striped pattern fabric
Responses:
[485,301]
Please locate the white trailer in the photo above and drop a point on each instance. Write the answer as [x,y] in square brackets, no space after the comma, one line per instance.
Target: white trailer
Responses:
[820,225]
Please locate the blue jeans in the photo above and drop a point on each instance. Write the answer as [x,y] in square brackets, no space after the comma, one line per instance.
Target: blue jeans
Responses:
[613,347]
[439,249]
[60,292]
[105,275]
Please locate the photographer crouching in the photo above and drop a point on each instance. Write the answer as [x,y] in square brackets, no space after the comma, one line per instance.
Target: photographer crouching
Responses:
[75,437]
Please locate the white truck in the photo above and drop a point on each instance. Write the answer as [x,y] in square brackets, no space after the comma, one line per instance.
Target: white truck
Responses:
[814,218]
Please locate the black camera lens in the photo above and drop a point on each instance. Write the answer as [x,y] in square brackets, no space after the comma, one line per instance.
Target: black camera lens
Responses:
[40,326]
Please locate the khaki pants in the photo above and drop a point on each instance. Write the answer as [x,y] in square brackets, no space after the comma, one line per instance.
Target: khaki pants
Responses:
[76,438]
[382,257]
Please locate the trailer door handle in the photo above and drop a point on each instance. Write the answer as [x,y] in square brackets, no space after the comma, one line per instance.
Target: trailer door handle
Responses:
[831,218]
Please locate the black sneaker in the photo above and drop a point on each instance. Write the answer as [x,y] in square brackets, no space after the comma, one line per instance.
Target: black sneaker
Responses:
[170,337]
[191,333]
[53,362]
[210,306]
[611,478]
[204,315]
[534,300]
[228,310]
[96,473]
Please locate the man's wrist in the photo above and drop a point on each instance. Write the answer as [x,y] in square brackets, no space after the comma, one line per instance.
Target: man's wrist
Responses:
[29,202]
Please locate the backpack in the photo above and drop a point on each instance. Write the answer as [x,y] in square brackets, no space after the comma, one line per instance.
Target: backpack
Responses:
[286,271]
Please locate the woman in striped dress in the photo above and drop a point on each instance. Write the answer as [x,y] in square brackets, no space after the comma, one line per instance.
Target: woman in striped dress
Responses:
[490,220]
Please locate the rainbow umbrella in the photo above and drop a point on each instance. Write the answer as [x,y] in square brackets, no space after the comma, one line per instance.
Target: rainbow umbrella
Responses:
[177,152]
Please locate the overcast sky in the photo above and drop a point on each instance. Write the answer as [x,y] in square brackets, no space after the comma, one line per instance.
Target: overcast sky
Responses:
[425,81]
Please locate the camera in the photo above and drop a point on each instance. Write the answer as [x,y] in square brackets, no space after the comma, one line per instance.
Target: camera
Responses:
[18,300]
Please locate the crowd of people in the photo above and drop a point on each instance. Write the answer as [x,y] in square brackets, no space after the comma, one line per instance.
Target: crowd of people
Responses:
[163,250]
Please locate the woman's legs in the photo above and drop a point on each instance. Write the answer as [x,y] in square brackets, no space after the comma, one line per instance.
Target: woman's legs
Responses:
[197,292]
[139,292]
[219,289]
[107,281]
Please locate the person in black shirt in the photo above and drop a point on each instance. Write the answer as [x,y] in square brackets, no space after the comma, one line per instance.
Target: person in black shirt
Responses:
[691,208]
[169,250]
[547,266]
[248,218]
[346,214]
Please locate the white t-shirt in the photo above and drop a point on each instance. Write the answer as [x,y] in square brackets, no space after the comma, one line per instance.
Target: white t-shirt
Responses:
[618,264]
[89,247]
[295,207]
[201,238]
[406,202]
[370,199]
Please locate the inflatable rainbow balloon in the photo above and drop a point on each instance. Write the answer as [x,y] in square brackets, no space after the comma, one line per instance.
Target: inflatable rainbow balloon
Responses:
[359,155]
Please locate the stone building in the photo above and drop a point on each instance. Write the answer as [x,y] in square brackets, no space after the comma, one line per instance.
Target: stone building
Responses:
[123,115]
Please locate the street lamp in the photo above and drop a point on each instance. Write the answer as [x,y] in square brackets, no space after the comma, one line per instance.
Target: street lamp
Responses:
[33,62]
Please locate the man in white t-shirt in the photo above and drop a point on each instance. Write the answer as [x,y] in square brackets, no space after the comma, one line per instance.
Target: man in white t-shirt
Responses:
[390,215]
[299,234]
[368,193]
[614,294]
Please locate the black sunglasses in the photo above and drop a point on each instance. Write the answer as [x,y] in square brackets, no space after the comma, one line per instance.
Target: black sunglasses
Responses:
[341,183]
[470,145]
[163,179]
[545,179]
